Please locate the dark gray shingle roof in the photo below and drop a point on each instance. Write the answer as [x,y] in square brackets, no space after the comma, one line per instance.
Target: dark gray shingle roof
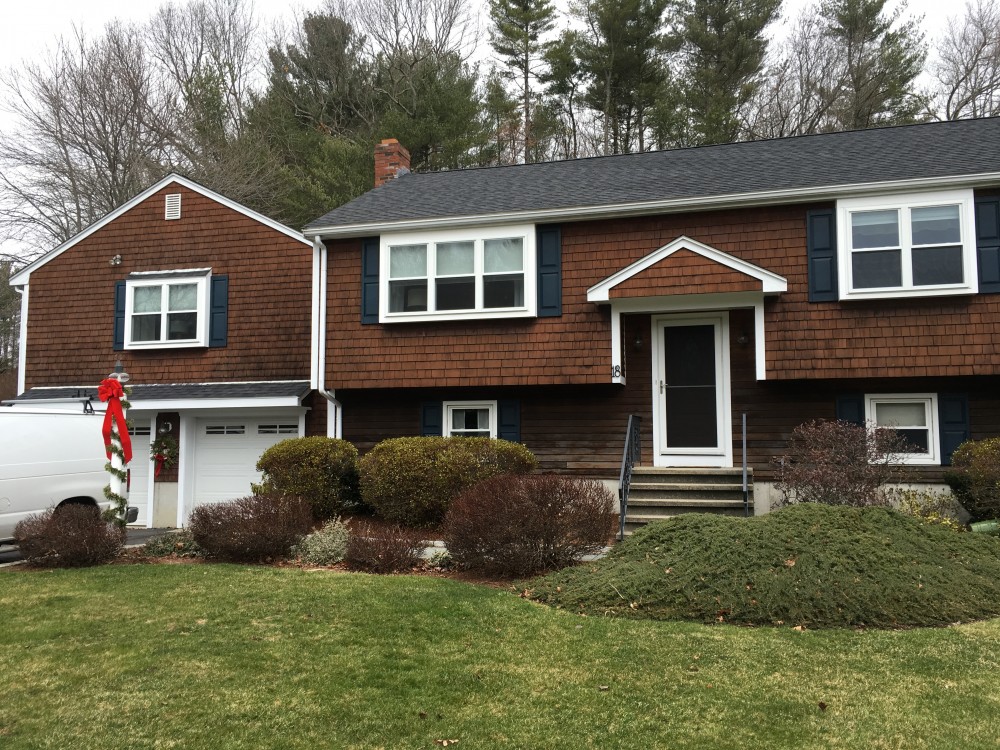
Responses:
[178,391]
[930,150]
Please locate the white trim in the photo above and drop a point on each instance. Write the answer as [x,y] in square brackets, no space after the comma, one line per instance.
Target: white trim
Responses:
[200,278]
[314,329]
[21,277]
[929,400]
[618,373]
[447,406]
[525,232]
[722,456]
[266,402]
[22,342]
[171,274]
[903,203]
[771,283]
[185,462]
[672,205]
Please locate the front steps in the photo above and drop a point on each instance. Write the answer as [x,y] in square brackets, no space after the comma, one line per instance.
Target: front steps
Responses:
[660,493]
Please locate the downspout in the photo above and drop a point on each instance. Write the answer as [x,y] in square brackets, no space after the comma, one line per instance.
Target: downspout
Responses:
[334,413]
[22,340]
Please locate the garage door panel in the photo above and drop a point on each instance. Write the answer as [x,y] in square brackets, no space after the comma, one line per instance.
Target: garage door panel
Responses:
[138,492]
[227,451]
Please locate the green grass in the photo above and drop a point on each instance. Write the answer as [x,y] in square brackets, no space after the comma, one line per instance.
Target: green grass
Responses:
[820,566]
[218,656]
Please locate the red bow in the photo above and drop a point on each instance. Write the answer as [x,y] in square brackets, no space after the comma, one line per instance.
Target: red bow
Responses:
[111,390]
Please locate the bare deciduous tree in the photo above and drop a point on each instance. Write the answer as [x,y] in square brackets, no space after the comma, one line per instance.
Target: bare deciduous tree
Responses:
[967,67]
[83,144]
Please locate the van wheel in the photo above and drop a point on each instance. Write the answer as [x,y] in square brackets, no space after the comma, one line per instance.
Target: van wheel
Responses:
[79,501]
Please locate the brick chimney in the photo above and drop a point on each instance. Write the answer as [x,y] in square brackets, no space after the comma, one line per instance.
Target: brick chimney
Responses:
[391,160]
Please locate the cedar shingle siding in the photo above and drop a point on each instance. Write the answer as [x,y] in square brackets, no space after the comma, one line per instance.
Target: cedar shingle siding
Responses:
[71,315]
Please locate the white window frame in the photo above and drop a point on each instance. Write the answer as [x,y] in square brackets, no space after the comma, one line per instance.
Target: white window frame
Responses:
[929,400]
[449,406]
[478,236]
[200,277]
[903,203]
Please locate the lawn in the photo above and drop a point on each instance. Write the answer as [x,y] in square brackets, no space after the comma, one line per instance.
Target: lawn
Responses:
[217,656]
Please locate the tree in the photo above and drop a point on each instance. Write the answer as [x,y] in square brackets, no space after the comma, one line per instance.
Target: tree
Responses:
[622,56]
[881,55]
[563,82]
[10,308]
[501,124]
[724,52]
[518,28]
[967,67]
[86,139]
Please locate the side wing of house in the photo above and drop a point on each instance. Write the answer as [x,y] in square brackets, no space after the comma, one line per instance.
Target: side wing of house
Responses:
[209,308]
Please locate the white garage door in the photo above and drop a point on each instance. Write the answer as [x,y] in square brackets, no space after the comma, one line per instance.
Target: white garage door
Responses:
[226,453]
[138,483]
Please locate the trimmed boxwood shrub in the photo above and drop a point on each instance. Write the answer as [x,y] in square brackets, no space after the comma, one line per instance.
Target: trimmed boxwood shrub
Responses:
[974,478]
[71,536]
[322,470]
[411,481]
[252,528]
[521,525]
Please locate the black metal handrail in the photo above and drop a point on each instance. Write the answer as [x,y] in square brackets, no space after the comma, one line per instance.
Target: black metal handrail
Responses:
[629,458]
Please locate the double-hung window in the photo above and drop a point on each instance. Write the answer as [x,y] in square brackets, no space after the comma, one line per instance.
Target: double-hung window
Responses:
[167,309]
[921,244]
[458,274]
[470,419]
[913,416]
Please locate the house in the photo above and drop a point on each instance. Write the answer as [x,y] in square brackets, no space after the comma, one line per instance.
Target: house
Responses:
[209,307]
[852,275]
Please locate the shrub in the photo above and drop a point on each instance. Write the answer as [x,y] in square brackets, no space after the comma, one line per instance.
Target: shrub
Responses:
[520,525]
[179,543]
[251,529]
[839,463]
[70,536]
[325,546]
[974,477]
[411,481]
[379,549]
[322,470]
[930,506]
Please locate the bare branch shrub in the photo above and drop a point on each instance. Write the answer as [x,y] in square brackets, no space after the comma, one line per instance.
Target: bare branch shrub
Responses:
[839,463]
[380,549]
[252,528]
[70,536]
[515,525]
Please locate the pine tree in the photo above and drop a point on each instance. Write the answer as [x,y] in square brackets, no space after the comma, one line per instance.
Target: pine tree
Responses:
[517,37]
[725,48]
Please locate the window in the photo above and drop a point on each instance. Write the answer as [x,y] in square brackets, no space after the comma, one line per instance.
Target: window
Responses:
[914,417]
[920,244]
[470,419]
[225,429]
[278,429]
[458,274]
[167,309]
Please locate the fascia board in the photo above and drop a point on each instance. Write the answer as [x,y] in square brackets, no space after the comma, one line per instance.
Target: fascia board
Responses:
[675,205]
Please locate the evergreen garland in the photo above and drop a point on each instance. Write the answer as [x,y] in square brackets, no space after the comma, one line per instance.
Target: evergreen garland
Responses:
[119,503]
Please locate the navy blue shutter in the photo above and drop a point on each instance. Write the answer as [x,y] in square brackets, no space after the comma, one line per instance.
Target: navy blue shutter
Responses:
[988,243]
[431,416]
[821,250]
[548,244]
[218,321]
[369,280]
[953,416]
[851,408]
[509,420]
[119,343]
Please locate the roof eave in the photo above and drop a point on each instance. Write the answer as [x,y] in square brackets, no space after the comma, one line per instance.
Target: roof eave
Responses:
[674,205]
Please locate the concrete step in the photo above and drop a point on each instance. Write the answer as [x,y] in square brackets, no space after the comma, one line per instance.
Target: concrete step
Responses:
[708,504]
[654,475]
[642,490]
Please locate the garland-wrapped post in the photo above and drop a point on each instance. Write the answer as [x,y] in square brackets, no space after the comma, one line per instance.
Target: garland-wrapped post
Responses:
[117,443]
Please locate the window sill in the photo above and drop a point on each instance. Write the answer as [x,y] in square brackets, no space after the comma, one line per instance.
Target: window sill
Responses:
[437,317]
[165,345]
[937,291]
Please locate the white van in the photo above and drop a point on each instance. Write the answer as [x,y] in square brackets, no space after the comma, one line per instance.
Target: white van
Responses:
[49,457]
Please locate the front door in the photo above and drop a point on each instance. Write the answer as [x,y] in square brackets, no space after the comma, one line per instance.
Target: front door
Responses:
[692,425]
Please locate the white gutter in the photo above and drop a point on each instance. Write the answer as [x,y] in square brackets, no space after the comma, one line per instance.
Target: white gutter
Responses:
[673,205]
[334,411]
[22,341]
[317,303]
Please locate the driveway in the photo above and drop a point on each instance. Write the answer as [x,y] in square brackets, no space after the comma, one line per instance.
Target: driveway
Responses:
[135,537]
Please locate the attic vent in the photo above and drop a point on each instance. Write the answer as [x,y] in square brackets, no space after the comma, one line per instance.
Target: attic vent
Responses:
[173,206]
